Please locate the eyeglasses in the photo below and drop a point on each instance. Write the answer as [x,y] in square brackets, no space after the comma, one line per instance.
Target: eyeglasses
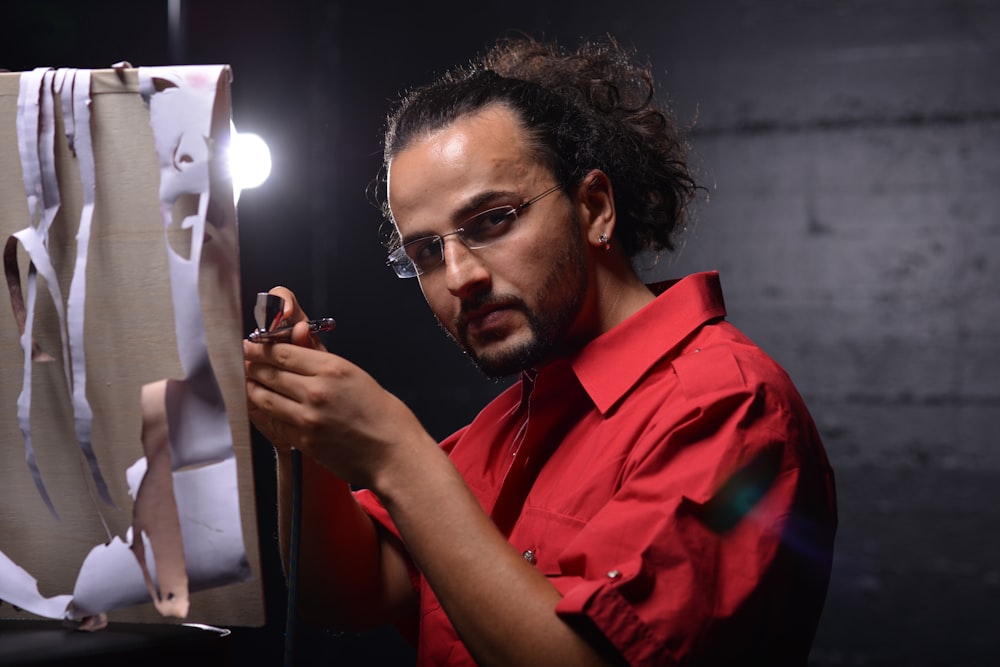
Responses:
[421,255]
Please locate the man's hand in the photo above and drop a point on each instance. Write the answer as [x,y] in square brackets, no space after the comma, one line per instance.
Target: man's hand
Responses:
[302,397]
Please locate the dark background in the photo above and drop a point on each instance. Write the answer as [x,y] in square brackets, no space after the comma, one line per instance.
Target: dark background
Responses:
[851,151]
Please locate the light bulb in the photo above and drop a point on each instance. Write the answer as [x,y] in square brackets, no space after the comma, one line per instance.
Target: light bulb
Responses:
[249,160]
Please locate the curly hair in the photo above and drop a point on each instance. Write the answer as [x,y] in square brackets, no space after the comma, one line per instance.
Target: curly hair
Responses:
[592,108]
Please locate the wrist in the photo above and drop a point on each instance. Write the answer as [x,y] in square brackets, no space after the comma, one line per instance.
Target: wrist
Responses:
[415,469]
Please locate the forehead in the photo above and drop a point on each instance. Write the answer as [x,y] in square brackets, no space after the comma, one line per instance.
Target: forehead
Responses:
[482,152]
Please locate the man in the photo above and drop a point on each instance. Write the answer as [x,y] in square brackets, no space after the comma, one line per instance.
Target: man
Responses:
[652,491]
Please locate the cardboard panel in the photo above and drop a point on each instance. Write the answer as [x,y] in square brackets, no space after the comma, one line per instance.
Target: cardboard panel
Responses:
[130,341]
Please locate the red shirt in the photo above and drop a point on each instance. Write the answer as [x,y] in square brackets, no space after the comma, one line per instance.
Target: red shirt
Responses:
[669,482]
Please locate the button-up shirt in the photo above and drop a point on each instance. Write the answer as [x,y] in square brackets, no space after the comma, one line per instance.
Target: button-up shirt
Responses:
[668,480]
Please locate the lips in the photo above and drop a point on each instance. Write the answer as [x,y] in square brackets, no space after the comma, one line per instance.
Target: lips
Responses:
[485,319]
[481,320]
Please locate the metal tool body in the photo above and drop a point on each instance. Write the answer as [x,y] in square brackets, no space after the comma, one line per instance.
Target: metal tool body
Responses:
[268,312]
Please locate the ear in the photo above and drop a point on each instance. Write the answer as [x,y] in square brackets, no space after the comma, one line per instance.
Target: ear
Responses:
[596,201]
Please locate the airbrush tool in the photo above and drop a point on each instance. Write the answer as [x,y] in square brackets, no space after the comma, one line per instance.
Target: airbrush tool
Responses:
[267,313]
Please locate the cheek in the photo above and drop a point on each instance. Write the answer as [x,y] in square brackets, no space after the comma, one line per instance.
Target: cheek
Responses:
[442,303]
[540,256]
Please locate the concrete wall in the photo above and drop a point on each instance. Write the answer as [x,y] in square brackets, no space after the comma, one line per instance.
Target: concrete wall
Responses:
[853,153]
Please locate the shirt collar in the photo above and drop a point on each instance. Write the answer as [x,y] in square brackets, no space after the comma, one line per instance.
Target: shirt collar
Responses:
[611,364]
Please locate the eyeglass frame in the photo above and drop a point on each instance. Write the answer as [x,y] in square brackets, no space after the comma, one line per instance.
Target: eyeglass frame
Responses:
[404,266]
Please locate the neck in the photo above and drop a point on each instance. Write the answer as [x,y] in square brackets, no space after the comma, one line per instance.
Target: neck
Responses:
[620,293]
[615,293]
[621,299]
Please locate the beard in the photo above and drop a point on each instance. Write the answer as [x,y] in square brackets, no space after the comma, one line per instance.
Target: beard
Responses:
[559,298]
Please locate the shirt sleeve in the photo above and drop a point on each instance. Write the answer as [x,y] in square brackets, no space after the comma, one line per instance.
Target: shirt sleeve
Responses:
[716,547]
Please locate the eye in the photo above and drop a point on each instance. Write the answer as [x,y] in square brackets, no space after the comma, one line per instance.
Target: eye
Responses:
[424,251]
[489,224]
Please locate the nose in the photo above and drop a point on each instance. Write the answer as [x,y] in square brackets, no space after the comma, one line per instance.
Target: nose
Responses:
[465,272]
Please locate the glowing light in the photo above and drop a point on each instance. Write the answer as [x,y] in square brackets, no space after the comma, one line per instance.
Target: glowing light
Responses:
[249,161]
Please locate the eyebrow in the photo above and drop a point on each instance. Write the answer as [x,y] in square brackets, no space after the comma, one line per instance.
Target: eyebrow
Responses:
[464,212]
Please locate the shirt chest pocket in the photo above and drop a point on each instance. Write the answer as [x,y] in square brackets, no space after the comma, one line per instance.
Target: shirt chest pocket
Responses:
[541,537]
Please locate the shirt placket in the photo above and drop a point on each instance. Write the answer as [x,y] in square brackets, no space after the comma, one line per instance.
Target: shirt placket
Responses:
[545,419]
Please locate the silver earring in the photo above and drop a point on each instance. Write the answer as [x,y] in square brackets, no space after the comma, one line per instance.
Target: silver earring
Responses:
[604,240]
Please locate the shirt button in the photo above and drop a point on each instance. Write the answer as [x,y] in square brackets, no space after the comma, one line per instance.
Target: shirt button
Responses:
[614,574]
[529,556]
